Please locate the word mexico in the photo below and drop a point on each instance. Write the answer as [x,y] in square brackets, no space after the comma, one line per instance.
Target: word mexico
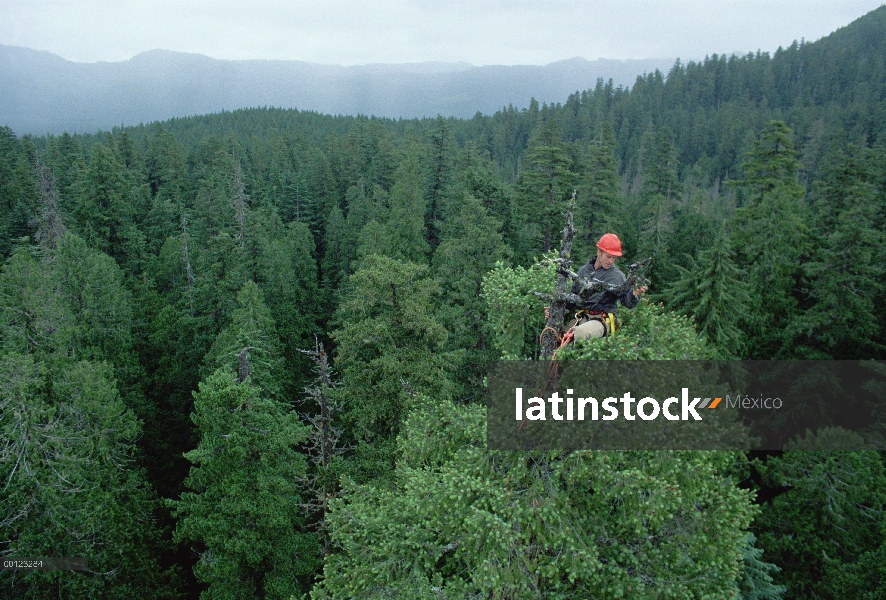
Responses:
[647,408]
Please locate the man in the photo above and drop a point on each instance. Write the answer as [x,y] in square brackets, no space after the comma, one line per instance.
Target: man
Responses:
[591,318]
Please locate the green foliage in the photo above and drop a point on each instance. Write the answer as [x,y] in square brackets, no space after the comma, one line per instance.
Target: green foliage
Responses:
[216,190]
[463,522]
[18,192]
[293,297]
[831,516]
[440,169]
[168,178]
[74,305]
[33,319]
[478,176]
[244,511]
[648,332]
[770,236]
[598,204]
[397,229]
[771,164]
[545,185]
[388,343]
[336,265]
[755,582]
[471,244]
[405,226]
[69,484]
[102,210]
[91,285]
[846,269]
[660,187]
[865,578]
[251,330]
[714,292]
[516,317]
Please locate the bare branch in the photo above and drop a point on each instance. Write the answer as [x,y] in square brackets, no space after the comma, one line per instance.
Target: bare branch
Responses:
[51,228]
[243,365]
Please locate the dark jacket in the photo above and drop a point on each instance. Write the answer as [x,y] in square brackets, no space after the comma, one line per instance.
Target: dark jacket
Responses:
[605,301]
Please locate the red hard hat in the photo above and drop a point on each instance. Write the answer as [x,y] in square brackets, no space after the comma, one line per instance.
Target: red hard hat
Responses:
[610,244]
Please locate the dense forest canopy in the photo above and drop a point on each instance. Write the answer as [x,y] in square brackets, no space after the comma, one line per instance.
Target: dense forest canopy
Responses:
[243,354]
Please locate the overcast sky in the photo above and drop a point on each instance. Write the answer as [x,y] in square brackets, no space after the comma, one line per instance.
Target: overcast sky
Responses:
[480,32]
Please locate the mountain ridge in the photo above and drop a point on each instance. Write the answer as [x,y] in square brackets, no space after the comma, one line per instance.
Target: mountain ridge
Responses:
[41,92]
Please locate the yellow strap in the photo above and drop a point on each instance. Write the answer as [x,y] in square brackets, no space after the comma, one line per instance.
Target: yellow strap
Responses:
[608,319]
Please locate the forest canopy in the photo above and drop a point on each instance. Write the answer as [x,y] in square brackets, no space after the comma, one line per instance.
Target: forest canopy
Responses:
[243,354]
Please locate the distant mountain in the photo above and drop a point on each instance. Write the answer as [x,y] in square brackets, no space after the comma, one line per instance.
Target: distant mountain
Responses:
[44,93]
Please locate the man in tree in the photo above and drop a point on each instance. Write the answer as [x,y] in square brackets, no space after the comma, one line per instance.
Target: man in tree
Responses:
[591,318]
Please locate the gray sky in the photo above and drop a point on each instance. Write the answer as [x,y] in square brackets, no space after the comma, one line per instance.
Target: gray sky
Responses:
[480,32]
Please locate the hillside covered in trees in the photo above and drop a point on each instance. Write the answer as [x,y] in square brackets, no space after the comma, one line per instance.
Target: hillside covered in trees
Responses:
[242,355]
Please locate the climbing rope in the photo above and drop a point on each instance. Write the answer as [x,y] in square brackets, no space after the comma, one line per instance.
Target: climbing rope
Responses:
[567,338]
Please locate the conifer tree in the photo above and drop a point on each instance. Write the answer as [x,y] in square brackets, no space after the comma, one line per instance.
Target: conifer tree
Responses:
[660,188]
[322,185]
[770,236]
[293,297]
[756,581]
[698,217]
[847,265]
[388,342]
[440,159]
[244,511]
[252,336]
[478,176]
[339,250]
[33,319]
[169,183]
[216,193]
[279,184]
[91,287]
[471,244]
[515,317]
[546,181]
[597,206]
[102,211]
[70,484]
[831,513]
[18,192]
[715,293]
[67,160]
[459,521]
[405,227]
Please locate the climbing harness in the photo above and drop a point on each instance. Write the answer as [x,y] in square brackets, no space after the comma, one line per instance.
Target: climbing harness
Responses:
[568,336]
[607,319]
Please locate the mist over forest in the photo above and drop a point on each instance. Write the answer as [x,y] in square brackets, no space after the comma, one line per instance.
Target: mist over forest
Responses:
[41,93]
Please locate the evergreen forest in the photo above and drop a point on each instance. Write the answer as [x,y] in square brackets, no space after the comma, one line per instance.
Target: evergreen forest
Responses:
[242,355]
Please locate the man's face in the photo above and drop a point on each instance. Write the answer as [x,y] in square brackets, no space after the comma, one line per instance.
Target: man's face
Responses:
[604,259]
